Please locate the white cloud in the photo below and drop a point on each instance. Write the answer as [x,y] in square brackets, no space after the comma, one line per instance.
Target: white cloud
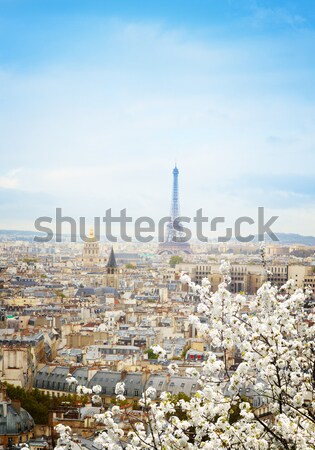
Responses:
[262,16]
[10,180]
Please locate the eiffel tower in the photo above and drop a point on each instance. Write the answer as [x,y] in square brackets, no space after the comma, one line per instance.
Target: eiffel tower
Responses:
[174,242]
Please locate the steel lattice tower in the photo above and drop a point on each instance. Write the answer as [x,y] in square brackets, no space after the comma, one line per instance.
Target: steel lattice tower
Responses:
[174,242]
[173,234]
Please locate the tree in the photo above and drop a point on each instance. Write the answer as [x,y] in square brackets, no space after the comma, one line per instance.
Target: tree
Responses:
[175,259]
[276,342]
[185,350]
[30,260]
[151,354]
[37,403]
[59,294]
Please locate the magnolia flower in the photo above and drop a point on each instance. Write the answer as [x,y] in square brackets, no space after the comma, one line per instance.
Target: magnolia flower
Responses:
[115,410]
[144,401]
[79,389]
[71,380]
[184,278]
[308,291]
[193,320]
[164,396]
[99,418]
[192,372]
[150,392]
[173,368]
[86,390]
[83,390]
[120,388]
[290,284]
[60,428]
[202,308]
[96,399]
[205,282]
[97,389]
[225,267]
[158,350]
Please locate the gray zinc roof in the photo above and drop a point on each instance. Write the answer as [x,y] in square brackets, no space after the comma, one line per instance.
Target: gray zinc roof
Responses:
[173,384]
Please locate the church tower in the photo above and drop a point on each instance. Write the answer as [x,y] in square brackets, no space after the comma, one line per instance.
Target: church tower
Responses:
[91,251]
[111,278]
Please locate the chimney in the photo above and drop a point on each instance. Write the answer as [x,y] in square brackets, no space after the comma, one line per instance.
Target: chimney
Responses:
[145,376]
[123,375]
[16,405]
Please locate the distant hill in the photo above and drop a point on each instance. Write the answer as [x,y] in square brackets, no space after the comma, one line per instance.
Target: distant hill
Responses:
[293,238]
[18,235]
[18,232]
[290,239]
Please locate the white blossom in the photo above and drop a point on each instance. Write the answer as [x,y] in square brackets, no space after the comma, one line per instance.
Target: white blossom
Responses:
[274,337]
[158,350]
[97,389]
[96,399]
[120,388]
[173,368]
[71,380]
[185,278]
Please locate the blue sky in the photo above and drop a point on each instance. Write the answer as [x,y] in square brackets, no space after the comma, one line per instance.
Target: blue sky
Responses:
[99,98]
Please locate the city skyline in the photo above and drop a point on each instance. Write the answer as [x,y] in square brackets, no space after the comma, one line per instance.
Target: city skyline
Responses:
[99,101]
[157,240]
